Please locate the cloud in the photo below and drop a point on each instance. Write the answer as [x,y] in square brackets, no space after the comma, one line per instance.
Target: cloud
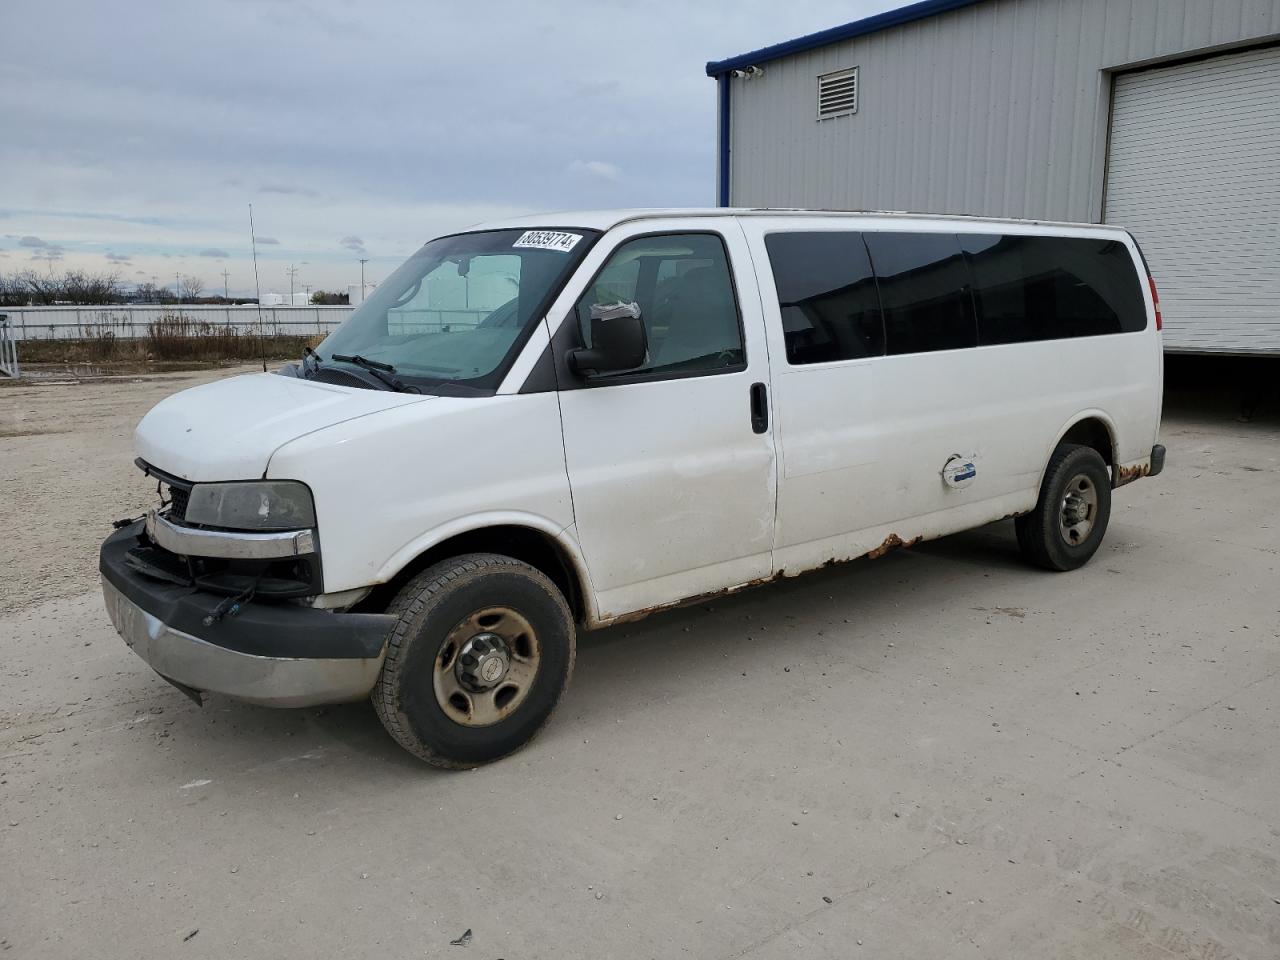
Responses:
[268,241]
[34,242]
[353,243]
[288,189]
[597,169]
[214,252]
[48,251]
[118,257]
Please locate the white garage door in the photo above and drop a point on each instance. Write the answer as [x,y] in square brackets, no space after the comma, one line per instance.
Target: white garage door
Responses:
[1194,173]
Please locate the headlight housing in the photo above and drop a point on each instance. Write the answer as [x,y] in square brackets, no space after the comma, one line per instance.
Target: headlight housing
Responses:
[252,505]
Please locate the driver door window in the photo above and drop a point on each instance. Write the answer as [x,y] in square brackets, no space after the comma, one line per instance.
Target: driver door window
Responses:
[686,298]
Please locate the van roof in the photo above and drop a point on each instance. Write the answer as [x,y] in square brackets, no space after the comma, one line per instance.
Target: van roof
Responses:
[605,219]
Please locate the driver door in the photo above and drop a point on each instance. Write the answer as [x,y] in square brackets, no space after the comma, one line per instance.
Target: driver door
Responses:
[672,465]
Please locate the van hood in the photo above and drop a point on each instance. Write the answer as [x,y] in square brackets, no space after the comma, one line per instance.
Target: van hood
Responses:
[227,430]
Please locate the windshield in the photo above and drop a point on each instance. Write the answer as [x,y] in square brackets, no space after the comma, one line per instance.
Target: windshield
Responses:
[459,308]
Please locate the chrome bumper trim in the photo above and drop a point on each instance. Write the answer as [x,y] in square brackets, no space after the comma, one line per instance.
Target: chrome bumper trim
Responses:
[268,681]
[190,542]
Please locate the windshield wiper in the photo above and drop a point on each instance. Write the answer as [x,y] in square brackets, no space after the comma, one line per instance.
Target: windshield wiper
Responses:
[383,371]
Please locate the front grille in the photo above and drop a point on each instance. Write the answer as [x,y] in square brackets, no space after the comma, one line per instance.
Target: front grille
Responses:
[171,489]
[178,497]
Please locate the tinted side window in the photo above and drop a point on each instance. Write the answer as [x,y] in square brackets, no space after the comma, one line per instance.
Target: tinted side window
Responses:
[686,298]
[827,295]
[924,291]
[1047,288]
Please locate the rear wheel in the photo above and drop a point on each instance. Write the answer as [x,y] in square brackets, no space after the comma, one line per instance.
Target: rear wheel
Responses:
[1070,518]
[480,655]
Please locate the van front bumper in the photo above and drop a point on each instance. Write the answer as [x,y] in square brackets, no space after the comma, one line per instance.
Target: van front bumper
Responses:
[275,654]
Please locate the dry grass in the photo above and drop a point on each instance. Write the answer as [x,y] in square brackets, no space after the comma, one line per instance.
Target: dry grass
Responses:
[172,337]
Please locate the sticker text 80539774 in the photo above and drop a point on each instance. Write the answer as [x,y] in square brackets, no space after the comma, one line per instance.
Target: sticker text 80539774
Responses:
[548,240]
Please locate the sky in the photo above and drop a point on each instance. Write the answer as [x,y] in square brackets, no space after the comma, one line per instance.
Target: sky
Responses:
[136,134]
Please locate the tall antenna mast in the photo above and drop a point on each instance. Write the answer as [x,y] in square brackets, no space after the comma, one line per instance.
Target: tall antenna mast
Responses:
[225,295]
[257,289]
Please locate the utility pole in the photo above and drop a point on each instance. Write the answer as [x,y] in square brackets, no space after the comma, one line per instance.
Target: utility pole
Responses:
[293,273]
[225,295]
[363,261]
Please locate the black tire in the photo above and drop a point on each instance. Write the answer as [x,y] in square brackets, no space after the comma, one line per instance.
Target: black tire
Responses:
[437,603]
[1043,533]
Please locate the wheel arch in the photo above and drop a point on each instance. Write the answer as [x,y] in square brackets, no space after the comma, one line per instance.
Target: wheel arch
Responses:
[1088,428]
[528,539]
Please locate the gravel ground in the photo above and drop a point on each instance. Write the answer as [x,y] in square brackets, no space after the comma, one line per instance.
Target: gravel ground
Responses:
[941,753]
[66,472]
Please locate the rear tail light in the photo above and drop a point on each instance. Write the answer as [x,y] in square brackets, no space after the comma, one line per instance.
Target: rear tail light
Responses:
[1155,302]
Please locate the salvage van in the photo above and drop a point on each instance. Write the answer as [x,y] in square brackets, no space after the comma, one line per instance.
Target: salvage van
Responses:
[554,424]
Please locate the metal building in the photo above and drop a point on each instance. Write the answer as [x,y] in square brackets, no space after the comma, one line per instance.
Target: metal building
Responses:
[1162,116]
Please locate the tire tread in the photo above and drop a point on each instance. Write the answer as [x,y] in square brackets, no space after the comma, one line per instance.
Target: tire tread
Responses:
[409,604]
[1037,531]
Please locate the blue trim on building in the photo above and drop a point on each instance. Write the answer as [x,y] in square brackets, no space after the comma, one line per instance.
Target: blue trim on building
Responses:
[722,82]
[881,21]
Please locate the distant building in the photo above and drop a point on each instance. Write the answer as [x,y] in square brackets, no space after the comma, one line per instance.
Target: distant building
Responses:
[1162,116]
[356,295]
[300,299]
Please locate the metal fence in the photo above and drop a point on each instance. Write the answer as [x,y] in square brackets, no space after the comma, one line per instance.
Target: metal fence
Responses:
[8,349]
[131,322]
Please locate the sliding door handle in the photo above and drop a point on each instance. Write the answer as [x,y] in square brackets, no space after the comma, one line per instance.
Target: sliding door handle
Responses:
[759,408]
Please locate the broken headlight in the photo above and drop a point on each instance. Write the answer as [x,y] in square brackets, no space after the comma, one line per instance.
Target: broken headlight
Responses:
[252,505]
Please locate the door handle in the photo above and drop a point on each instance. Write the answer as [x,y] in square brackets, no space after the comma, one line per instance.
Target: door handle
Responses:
[759,408]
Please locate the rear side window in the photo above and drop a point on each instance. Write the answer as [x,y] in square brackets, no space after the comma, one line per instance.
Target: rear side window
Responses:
[1049,288]
[827,296]
[923,291]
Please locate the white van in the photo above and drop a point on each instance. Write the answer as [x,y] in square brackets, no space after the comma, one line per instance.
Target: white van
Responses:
[554,424]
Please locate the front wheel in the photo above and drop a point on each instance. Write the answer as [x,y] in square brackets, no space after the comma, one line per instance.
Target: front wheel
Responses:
[480,655]
[1067,525]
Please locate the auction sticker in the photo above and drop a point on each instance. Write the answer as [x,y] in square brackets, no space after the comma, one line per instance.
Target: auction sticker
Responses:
[548,240]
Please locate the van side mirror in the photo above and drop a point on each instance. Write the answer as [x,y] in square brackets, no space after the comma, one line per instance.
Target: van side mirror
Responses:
[619,341]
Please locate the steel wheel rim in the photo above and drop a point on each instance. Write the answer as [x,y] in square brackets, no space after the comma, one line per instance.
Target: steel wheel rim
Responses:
[1079,510]
[470,689]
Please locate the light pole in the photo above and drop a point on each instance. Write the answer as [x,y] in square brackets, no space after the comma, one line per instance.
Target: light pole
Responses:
[363,261]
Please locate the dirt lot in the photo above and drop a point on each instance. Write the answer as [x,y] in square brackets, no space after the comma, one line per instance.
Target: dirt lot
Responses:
[941,753]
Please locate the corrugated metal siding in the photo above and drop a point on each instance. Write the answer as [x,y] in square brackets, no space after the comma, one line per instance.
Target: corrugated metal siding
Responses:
[1194,173]
[998,109]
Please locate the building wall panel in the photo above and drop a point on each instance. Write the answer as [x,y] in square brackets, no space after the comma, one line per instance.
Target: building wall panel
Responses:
[999,109]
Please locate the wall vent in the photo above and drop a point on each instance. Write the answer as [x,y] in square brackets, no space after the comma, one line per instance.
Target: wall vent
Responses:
[838,93]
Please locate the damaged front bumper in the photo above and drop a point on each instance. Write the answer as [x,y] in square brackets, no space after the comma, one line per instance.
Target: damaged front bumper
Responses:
[279,654]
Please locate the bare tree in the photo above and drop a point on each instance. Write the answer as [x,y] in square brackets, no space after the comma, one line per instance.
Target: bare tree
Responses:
[192,287]
[148,292]
[87,288]
[42,290]
[14,292]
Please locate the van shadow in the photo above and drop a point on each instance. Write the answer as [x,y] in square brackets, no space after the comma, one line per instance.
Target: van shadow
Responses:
[750,628]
